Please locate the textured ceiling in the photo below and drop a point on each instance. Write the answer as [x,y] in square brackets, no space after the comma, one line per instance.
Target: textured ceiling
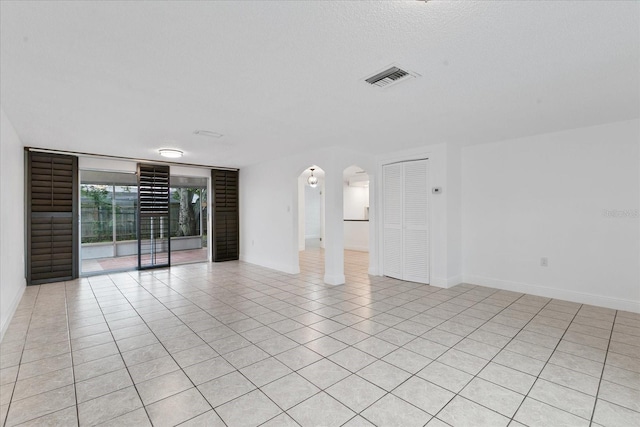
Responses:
[127,78]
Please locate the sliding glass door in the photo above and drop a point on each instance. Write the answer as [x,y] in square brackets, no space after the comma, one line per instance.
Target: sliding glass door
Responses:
[188,206]
[108,221]
[173,226]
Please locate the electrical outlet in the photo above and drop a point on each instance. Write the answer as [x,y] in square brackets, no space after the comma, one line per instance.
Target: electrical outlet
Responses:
[544,261]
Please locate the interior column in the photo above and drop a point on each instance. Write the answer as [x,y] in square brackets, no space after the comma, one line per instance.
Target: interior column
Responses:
[334,229]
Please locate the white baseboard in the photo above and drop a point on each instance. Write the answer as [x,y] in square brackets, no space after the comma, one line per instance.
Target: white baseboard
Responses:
[548,292]
[454,280]
[12,310]
[446,282]
[290,269]
[335,279]
[357,248]
[440,282]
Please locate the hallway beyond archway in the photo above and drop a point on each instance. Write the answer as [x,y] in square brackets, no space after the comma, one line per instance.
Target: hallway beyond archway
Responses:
[355,266]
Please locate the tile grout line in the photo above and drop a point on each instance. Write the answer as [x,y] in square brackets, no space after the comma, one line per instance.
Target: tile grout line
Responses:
[604,365]
[73,370]
[113,283]
[289,291]
[20,365]
[95,297]
[573,370]
[91,286]
[26,335]
[323,390]
[163,346]
[433,360]
[274,356]
[219,355]
[545,363]
[504,348]
[389,327]
[259,388]
[599,378]
[489,361]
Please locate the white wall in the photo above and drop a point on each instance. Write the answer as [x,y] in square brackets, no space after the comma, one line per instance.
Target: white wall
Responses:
[356,198]
[548,196]
[12,268]
[269,222]
[356,235]
[301,214]
[504,205]
[453,196]
[103,164]
[266,212]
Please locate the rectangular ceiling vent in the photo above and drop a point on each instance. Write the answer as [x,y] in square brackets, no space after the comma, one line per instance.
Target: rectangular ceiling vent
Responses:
[389,77]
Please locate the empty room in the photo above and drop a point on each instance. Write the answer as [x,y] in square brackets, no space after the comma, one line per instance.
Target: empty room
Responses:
[320,213]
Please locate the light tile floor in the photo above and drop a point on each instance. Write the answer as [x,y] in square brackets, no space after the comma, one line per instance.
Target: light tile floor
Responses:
[239,345]
[130,262]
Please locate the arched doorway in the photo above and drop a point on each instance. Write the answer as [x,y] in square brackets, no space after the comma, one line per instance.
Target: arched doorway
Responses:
[311,221]
[356,222]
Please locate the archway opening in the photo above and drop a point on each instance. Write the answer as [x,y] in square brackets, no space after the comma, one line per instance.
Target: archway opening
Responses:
[356,223]
[311,221]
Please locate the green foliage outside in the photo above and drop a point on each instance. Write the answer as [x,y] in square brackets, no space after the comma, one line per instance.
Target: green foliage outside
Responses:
[187,220]
[100,209]
[97,206]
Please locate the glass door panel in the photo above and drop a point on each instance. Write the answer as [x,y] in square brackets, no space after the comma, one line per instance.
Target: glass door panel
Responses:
[154,238]
[188,206]
[108,202]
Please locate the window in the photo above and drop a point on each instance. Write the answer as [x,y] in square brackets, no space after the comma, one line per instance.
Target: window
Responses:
[188,205]
[108,221]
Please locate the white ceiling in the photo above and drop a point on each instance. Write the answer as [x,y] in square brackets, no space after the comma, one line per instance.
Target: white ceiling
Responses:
[127,78]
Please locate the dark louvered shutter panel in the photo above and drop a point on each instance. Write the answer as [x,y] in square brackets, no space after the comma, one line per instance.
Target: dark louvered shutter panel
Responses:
[52,194]
[226,230]
[154,243]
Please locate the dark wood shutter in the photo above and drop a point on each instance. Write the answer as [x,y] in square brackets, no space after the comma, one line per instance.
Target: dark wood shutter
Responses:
[52,206]
[154,235]
[226,228]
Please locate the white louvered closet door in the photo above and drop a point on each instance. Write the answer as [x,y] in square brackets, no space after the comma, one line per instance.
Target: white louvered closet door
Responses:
[415,222]
[406,221]
[392,192]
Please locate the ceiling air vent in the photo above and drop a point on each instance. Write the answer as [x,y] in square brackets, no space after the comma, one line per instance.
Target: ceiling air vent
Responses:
[208,133]
[389,76]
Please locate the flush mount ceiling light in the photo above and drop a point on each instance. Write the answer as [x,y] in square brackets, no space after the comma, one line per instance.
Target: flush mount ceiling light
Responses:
[208,133]
[312,180]
[172,153]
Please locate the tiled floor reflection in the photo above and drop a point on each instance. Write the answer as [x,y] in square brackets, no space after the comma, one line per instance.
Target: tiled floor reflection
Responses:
[130,262]
[239,345]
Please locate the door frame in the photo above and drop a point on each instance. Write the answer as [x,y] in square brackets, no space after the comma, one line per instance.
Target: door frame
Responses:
[435,155]
[382,253]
